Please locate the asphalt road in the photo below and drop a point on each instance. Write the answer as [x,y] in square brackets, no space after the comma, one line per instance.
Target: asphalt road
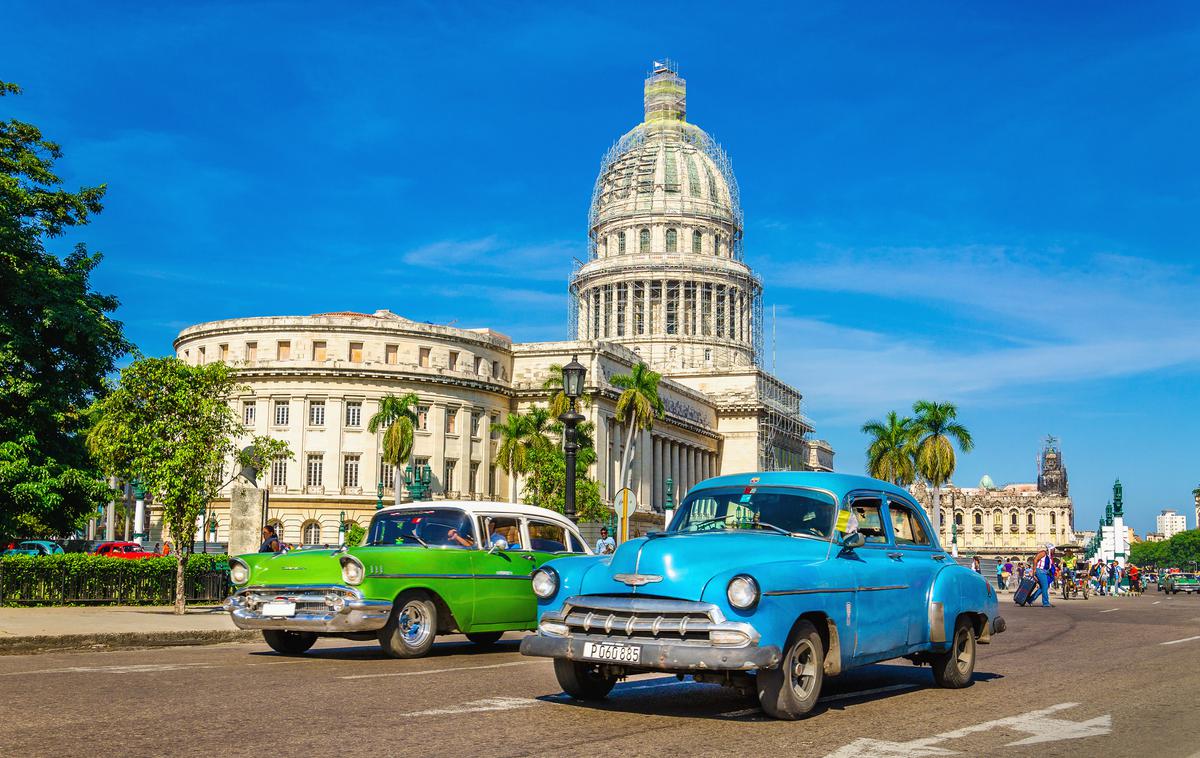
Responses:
[1114,677]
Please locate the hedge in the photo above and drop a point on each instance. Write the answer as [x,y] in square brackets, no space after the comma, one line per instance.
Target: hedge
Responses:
[75,578]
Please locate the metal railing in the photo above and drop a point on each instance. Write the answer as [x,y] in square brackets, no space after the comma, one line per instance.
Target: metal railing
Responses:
[62,586]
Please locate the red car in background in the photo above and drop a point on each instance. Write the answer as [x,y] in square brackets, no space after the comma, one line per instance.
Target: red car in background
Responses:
[124,550]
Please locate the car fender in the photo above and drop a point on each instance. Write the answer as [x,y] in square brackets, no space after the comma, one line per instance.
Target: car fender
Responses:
[956,590]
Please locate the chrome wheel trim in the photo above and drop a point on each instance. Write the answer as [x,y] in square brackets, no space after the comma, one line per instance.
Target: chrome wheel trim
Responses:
[413,623]
[803,673]
[962,657]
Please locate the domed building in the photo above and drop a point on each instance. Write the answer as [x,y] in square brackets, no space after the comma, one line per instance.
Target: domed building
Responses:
[665,284]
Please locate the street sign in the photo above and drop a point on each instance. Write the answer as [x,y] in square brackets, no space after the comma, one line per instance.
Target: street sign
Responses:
[625,505]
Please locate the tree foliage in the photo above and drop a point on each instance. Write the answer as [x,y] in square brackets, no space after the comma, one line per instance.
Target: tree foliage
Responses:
[520,435]
[1181,551]
[638,406]
[547,468]
[397,416]
[57,341]
[892,453]
[170,425]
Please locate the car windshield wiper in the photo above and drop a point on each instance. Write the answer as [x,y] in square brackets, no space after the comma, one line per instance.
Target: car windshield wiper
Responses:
[415,537]
[779,529]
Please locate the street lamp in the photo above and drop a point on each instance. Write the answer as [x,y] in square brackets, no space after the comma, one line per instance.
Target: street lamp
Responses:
[379,496]
[572,380]
[341,528]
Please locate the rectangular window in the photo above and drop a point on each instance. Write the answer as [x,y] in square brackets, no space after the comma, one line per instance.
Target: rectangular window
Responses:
[354,413]
[319,352]
[471,488]
[200,354]
[391,354]
[316,413]
[870,522]
[476,417]
[478,365]
[547,537]
[905,526]
[387,474]
[495,424]
[281,413]
[223,351]
[279,472]
[423,417]
[453,365]
[448,479]
[314,471]
[423,359]
[251,351]
[350,470]
[495,369]
[248,409]
[356,352]
[283,350]
[451,421]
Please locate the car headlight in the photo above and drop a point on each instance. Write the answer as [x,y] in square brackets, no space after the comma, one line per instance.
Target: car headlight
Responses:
[742,592]
[239,572]
[352,570]
[545,582]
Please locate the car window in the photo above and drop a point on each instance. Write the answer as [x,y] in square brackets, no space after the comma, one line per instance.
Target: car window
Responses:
[436,527]
[547,537]
[796,510]
[906,526]
[503,527]
[577,544]
[868,510]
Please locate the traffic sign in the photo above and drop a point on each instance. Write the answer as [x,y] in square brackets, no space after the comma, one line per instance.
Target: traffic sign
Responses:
[625,505]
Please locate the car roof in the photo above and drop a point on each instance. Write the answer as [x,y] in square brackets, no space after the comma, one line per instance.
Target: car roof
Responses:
[483,506]
[839,484]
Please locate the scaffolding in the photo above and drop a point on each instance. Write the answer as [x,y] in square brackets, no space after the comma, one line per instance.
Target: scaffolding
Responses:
[782,426]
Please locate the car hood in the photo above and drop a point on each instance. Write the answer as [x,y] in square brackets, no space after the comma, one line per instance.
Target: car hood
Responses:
[681,565]
[294,568]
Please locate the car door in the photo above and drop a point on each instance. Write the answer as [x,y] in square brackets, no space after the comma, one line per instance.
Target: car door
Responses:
[502,591]
[916,561]
[878,628]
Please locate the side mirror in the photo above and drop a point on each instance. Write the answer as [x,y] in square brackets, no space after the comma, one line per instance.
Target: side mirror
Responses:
[853,540]
[499,544]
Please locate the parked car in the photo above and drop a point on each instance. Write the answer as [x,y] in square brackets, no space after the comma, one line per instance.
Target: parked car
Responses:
[423,569]
[131,550]
[35,547]
[1181,582]
[791,576]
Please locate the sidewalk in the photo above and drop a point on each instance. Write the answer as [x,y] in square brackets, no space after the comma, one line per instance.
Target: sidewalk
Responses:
[32,630]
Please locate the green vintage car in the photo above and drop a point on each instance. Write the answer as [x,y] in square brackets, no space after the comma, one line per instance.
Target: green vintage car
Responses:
[1176,583]
[424,569]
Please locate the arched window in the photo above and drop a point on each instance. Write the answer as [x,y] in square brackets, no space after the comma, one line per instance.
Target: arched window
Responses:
[978,518]
[310,533]
[958,519]
[644,241]
[1053,520]
[719,245]
[997,518]
[672,241]
[1029,518]
[697,242]
[621,243]
[604,247]
[1012,518]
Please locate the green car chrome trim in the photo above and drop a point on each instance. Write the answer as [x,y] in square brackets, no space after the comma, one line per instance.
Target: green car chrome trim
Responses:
[447,576]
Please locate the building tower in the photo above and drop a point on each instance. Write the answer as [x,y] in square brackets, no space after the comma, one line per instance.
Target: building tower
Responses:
[664,274]
[1052,474]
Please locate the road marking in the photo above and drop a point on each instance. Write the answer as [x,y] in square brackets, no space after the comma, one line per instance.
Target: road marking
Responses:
[1110,610]
[440,671]
[1185,639]
[478,706]
[1156,602]
[138,668]
[1038,724]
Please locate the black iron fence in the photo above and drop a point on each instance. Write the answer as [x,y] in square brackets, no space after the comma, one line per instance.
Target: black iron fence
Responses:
[66,584]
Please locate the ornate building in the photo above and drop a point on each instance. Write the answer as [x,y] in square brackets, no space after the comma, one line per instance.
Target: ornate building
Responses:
[1012,520]
[665,284]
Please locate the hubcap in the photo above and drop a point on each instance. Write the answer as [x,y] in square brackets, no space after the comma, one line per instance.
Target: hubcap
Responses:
[961,653]
[804,669]
[414,624]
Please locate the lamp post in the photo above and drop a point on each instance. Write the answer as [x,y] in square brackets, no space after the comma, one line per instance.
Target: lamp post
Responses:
[418,479]
[669,503]
[379,496]
[572,380]
[139,512]
[341,528]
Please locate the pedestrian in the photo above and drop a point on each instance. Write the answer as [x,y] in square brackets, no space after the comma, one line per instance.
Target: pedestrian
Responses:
[1135,579]
[1043,564]
[605,544]
[975,565]
[999,575]
[270,540]
[157,547]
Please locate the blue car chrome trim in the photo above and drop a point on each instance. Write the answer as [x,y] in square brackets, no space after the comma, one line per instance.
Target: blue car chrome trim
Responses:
[818,590]
[637,580]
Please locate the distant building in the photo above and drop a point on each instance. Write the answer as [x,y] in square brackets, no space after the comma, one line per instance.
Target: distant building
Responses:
[1154,537]
[1171,523]
[1011,520]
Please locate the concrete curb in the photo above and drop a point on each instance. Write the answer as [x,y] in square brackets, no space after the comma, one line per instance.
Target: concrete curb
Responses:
[122,640]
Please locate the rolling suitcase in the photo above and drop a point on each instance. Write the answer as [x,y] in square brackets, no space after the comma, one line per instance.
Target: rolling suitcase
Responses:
[1028,585]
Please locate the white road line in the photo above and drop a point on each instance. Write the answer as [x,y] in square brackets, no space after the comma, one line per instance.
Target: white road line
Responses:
[478,706]
[440,671]
[1110,610]
[1185,639]
[136,668]
[1156,602]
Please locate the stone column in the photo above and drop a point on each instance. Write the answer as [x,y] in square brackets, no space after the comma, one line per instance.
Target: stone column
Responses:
[645,454]
[602,451]
[463,472]
[645,307]
[110,513]
[437,456]
[657,476]
[485,463]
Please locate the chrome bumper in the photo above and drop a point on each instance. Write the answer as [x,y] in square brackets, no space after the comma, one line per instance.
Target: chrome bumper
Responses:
[659,656]
[325,609]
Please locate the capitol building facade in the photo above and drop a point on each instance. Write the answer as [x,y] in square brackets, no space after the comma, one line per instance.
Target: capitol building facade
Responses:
[665,284]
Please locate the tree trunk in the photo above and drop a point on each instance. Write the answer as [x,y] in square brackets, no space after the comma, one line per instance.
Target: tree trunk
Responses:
[180,584]
[937,511]
[627,454]
[397,483]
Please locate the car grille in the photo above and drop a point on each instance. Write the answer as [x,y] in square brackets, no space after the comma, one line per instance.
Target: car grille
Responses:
[308,600]
[641,618]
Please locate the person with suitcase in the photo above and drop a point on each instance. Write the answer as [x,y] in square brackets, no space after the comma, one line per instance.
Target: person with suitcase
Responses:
[1043,564]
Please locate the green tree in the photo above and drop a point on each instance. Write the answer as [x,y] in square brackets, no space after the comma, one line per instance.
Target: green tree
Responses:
[170,425]
[937,426]
[891,454]
[397,416]
[547,469]
[1148,553]
[57,341]
[559,402]
[638,406]
[511,453]
[1183,549]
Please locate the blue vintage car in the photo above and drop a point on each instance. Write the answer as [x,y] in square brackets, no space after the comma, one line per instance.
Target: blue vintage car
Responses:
[767,582]
[35,547]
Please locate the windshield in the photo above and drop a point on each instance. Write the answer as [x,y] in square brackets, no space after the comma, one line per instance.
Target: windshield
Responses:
[432,527]
[791,509]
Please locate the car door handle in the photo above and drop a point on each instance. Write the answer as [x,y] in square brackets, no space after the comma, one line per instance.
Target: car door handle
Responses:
[529,558]
[896,556]
[939,556]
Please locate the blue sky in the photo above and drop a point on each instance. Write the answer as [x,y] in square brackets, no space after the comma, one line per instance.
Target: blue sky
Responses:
[991,204]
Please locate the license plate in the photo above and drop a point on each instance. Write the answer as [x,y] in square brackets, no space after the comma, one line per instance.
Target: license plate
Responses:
[279,609]
[598,651]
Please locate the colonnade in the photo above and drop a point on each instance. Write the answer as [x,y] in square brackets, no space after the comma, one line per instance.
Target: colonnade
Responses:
[667,307]
[657,458]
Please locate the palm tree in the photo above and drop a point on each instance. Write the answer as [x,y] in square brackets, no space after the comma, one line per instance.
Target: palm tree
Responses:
[638,406]
[559,402]
[1196,495]
[510,453]
[935,426]
[892,453]
[397,416]
[539,425]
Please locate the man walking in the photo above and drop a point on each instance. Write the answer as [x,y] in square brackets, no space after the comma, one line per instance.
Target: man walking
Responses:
[1042,564]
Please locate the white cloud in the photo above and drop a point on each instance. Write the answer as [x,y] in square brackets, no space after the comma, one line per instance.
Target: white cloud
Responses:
[492,255]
